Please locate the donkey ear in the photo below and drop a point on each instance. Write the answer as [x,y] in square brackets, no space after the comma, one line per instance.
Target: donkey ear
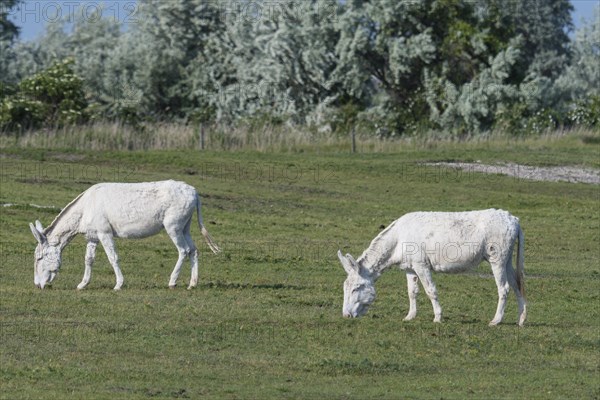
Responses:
[352,260]
[39,236]
[38,226]
[348,265]
[362,271]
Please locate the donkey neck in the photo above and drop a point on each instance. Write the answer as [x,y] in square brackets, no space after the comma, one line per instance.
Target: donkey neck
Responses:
[65,226]
[378,257]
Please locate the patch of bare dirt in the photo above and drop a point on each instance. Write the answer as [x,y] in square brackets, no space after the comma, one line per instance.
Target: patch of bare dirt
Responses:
[550,174]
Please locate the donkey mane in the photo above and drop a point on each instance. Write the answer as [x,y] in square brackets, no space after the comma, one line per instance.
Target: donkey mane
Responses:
[374,251]
[62,212]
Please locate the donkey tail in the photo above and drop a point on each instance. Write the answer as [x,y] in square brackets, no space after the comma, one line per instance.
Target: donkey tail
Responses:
[213,246]
[521,263]
[520,278]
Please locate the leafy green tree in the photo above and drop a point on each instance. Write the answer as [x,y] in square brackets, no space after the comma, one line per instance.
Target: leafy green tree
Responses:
[473,106]
[543,26]
[392,66]
[8,33]
[8,30]
[161,52]
[579,87]
[581,78]
[280,63]
[89,41]
[387,48]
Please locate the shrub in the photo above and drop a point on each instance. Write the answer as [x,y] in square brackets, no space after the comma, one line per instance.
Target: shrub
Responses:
[52,97]
[586,112]
[21,113]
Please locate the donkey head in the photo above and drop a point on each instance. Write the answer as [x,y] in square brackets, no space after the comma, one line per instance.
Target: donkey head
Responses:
[47,257]
[359,289]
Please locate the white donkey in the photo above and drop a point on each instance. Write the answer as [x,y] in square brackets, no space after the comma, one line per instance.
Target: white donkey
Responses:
[423,242]
[123,210]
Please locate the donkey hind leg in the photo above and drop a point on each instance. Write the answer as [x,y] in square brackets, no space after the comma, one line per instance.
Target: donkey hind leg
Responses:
[111,252]
[501,277]
[193,254]
[424,273]
[412,282]
[183,249]
[512,281]
[90,255]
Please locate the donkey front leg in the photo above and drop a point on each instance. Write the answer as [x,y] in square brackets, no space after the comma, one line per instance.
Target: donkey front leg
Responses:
[113,258]
[90,255]
[424,274]
[412,281]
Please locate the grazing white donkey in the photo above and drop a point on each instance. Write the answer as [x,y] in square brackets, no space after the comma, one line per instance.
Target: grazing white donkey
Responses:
[422,242]
[123,210]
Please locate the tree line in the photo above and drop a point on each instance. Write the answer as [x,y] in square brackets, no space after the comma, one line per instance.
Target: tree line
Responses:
[386,67]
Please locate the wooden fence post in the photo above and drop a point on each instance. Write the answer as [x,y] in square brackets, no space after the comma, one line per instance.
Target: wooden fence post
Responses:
[202,136]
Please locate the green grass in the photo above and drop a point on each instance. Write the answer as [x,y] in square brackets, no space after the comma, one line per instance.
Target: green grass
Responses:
[265,321]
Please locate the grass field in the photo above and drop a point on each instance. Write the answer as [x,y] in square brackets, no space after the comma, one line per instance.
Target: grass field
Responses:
[265,321]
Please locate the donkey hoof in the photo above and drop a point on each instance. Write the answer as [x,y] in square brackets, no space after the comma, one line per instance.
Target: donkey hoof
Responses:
[172,287]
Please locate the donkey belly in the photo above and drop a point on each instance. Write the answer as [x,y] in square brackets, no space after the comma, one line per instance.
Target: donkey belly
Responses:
[455,265]
[135,223]
[456,257]
[449,256]
[136,229]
